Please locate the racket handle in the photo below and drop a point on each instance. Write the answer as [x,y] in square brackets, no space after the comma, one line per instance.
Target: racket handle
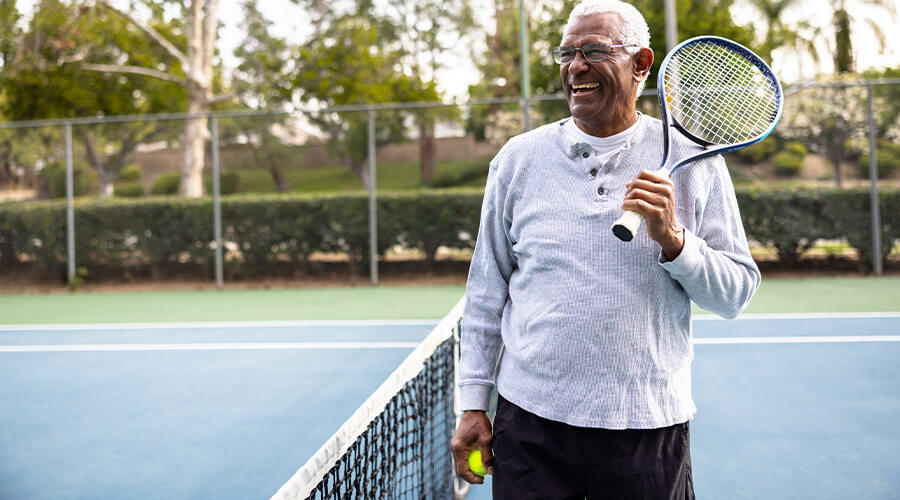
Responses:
[626,227]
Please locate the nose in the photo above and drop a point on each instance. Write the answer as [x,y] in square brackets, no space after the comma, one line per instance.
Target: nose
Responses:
[579,64]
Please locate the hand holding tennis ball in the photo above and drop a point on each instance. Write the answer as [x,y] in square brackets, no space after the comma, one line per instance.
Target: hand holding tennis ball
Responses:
[472,433]
[475,464]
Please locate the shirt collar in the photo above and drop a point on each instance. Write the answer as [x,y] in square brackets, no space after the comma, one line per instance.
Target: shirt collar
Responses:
[575,148]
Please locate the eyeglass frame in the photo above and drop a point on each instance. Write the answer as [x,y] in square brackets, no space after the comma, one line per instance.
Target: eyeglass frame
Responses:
[557,57]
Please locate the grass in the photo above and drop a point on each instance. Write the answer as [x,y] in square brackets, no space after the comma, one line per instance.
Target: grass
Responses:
[389,177]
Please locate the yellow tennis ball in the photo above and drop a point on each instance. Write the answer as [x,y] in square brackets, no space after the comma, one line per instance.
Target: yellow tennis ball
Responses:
[475,464]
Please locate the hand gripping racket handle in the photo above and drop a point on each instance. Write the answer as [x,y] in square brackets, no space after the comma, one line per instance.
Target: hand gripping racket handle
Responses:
[626,227]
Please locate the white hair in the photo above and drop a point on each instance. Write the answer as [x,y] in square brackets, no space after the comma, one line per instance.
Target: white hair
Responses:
[634,28]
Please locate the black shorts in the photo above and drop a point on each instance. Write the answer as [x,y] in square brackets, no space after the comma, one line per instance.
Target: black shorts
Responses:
[536,458]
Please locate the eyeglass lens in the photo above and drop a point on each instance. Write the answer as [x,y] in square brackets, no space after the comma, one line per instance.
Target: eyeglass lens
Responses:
[593,52]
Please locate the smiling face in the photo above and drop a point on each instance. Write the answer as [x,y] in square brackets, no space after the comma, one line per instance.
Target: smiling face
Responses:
[601,95]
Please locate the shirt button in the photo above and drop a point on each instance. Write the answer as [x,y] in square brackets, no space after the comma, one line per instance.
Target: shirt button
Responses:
[585,154]
[593,171]
[600,190]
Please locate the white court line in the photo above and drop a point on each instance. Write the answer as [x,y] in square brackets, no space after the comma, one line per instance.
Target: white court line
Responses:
[823,315]
[212,324]
[797,340]
[363,322]
[283,346]
[252,346]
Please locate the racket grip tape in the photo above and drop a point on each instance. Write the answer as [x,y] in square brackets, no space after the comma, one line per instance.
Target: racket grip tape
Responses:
[626,227]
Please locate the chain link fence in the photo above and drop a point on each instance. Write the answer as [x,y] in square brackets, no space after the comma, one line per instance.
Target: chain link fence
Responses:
[346,193]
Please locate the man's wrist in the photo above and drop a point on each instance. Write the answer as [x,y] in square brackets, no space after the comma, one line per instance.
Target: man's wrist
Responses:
[674,243]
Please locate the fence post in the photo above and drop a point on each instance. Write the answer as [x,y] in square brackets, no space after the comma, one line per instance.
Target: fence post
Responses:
[70,206]
[217,200]
[526,73]
[873,177]
[373,216]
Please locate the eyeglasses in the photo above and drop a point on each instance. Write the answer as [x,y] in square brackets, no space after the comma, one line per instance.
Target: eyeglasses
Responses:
[593,52]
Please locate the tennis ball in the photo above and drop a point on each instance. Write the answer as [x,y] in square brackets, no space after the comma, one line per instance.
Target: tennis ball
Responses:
[475,464]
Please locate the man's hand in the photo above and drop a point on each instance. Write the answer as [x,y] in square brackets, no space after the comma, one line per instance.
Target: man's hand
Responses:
[473,433]
[652,194]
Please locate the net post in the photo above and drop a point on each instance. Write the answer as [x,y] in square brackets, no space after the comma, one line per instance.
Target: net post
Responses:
[873,178]
[70,207]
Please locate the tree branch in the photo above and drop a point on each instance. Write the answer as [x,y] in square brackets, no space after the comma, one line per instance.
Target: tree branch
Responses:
[222,98]
[134,70]
[152,33]
[210,26]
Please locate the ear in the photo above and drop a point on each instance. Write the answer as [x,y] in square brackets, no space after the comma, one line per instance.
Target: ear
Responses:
[642,62]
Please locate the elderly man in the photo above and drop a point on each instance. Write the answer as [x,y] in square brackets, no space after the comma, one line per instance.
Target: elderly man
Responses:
[589,338]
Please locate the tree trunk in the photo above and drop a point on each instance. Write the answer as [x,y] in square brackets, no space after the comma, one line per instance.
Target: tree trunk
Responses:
[837,168]
[278,177]
[427,150]
[843,53]
[105,178]
[201,34]
[195,135]
[359,168]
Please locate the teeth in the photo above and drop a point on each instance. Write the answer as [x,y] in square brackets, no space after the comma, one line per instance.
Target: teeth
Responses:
[585,86]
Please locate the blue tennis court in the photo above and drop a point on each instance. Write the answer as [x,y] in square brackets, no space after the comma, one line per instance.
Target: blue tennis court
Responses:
[789,406]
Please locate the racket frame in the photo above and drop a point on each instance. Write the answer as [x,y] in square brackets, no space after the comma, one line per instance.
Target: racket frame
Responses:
[626,226]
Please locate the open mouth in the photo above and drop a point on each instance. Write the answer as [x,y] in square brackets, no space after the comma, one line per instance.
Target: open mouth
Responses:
[584,87]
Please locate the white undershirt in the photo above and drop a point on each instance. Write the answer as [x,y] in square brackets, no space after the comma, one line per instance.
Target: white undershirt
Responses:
[604,147]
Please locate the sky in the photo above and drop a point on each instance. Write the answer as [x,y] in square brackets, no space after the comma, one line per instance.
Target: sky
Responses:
[290,22]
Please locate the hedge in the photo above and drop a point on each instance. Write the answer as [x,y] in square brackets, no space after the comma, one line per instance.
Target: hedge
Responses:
[272,234]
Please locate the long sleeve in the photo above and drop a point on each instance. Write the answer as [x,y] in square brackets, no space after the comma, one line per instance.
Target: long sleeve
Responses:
[715,267]
[487,292]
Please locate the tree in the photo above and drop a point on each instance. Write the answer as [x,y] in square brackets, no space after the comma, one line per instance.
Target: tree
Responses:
[345,64]
[42,83]
[425,30]
[775,34]
[10,37]
[886,104]
[501,68]
[262,80]
[192,69]
[826,118]
[845,24]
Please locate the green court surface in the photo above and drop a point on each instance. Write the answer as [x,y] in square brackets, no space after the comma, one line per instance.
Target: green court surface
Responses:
[808,295]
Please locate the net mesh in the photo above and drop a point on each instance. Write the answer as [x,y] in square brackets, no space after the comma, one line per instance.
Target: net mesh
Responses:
[397,445]
[718,95]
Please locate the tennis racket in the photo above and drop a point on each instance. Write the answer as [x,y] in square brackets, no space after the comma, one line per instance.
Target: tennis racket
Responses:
[717,93]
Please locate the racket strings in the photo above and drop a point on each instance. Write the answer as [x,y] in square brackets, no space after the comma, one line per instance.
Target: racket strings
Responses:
[718,95]
[723,93]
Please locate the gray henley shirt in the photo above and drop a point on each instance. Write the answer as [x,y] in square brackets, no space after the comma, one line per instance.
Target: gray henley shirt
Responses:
[595,332]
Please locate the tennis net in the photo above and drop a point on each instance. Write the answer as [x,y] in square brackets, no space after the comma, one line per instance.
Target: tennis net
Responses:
[397,444]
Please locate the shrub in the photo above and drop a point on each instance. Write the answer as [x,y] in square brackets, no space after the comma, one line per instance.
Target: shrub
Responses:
[788,219]
[887,159]
[457,173]
[758,152]
[787,164]
[130,173]
[265,234]
[54,175]
[229,183]
[166,183]
[129,189]
[796,148]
